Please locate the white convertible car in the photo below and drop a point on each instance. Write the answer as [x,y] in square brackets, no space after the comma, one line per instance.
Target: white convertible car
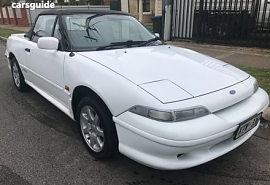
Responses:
[163,106]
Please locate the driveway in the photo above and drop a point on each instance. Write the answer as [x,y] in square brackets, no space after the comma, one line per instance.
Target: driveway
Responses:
[40,145]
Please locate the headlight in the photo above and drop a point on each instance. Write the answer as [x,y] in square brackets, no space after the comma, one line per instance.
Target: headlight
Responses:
[255,86]
[170,116]
[188,114]
[153,114]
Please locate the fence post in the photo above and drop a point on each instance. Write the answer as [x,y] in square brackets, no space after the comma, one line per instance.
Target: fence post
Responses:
[199,23]
[9,21]
[2,15]
[166,19]
[15,16]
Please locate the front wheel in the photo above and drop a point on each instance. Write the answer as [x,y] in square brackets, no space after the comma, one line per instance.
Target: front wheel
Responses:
[17,75]
[97,128]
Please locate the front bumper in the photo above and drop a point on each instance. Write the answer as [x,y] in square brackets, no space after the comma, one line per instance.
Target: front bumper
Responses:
[186,144]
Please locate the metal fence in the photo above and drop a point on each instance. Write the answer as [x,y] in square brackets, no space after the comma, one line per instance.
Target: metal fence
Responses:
[182,19]
[242,22]
[32,14]
[245,22]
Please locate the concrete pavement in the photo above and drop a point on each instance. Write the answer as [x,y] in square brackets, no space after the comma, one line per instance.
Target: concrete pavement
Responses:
[253,57]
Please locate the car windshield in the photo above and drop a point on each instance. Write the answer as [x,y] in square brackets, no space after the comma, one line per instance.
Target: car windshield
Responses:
[96,32]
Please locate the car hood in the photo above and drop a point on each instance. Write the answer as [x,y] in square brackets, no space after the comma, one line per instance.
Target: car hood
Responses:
[194,73]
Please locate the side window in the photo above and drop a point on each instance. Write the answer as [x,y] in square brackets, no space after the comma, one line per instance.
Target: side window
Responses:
[43,27]
[56,32]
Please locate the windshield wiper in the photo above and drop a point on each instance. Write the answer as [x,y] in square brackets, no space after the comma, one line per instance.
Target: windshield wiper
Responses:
[149,41]
[125,43]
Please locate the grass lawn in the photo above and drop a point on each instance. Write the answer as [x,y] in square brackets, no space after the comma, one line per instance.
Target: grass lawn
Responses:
[262,75]
[149,27]
[7,32]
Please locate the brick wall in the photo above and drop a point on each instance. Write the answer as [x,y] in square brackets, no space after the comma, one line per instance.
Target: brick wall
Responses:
[23,20]
[1,16]
[11,16]
[134,10]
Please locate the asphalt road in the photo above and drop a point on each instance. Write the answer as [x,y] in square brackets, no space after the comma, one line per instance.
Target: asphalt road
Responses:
[40,145]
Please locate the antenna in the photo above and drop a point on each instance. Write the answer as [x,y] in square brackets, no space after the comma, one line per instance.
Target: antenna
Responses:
[71,54]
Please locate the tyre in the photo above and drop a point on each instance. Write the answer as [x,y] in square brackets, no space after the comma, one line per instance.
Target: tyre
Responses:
[17,75]
[96,128]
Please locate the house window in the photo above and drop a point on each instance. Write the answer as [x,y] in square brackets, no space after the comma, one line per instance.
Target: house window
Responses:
[146,5]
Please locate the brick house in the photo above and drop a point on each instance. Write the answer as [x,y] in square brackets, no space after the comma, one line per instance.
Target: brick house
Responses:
[143,10]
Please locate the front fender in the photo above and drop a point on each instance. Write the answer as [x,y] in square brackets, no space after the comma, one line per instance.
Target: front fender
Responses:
[16,44]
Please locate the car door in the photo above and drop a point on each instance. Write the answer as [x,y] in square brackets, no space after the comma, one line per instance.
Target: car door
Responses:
[45,67]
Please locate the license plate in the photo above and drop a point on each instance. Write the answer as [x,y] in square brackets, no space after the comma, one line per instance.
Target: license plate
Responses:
[247,126]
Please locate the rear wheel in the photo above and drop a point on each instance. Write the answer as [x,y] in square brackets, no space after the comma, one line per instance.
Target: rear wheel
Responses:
[97,128]
[17,75]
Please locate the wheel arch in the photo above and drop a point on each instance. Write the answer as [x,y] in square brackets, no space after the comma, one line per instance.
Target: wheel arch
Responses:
[79,93]
[10,57]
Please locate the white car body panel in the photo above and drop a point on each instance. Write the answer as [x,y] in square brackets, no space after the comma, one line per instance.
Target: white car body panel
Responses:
[46,71]
[16,45]
[80,71]
[50,98]
[168,146]
[211,124]
[140,66]
[165,91]
[164,157]
[160,77]
[42,77]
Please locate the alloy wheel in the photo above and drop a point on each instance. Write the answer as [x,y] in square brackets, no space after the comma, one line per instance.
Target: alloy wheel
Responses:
[91,128]
[16,74]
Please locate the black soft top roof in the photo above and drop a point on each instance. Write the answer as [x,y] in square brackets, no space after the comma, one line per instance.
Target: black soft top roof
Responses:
[79,11]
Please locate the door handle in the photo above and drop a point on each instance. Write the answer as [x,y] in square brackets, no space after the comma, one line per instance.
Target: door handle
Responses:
[27,49]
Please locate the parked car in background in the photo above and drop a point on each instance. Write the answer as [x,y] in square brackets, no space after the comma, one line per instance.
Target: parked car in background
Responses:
[163,106]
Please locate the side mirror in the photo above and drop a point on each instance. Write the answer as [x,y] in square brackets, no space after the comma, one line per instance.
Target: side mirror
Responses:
[157,34]
[49,43]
